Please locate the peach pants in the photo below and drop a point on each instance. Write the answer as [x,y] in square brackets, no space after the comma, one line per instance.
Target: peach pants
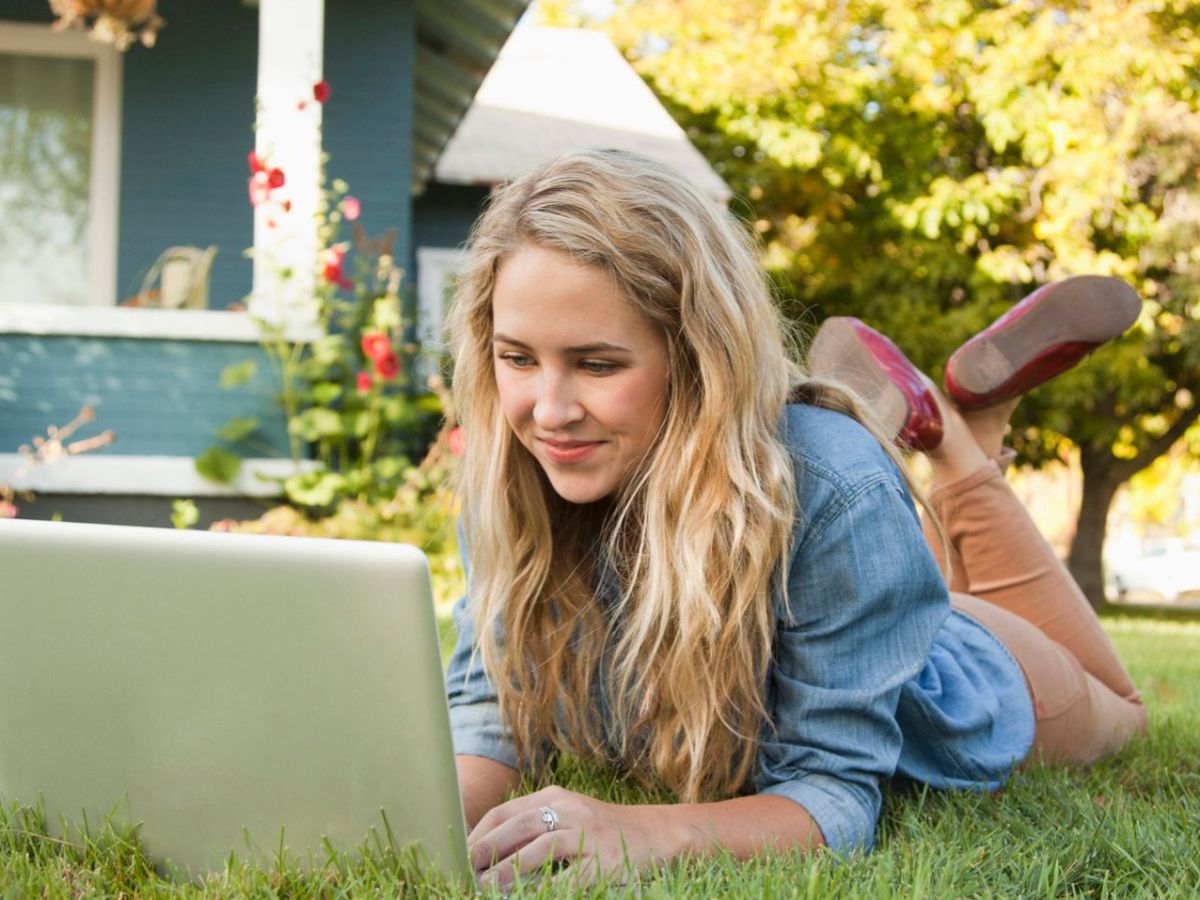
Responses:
[1005,576]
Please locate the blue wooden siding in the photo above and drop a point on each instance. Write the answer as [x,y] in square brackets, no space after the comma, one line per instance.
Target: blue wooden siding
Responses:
[370,48]
[159,397]
[443,215]
[186,127]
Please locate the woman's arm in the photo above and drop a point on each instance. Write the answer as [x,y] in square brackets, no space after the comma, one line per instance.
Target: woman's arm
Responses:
[484,783]
[606,839]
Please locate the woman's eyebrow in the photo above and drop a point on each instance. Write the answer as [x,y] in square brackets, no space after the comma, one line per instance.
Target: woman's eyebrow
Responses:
[600,347]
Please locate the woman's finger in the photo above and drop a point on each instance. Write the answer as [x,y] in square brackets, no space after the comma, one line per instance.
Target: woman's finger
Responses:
[497,815]
[553,846]
[520,828]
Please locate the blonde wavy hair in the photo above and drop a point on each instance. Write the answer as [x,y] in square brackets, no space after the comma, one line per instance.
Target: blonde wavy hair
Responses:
[696,539]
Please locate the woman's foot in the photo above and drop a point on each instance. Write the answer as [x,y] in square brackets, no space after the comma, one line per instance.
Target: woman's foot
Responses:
[1046,333]
[901,398]
[972,439]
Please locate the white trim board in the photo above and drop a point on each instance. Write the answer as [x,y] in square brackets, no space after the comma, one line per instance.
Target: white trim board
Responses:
[132,322]
[154,476]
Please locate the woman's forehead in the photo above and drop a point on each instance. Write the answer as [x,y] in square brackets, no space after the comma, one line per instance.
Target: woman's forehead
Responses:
[548,296]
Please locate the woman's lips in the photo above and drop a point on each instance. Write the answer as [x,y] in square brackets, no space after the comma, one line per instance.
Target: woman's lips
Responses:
[568,451]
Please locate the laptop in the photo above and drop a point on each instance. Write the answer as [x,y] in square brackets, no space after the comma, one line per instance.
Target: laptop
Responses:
[226,693]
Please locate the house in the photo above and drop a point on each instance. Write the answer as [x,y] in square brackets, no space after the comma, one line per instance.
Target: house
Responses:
[169,129]
[126,154]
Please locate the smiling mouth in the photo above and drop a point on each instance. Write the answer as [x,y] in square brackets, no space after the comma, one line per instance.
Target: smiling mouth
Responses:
[568,451]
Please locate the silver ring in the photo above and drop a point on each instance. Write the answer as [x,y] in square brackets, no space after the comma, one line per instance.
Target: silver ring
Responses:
[549,818]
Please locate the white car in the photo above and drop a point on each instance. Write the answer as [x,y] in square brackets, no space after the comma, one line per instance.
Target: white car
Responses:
[1168,568]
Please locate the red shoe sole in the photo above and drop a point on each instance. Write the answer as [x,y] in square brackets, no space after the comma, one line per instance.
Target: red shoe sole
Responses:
[1048,332]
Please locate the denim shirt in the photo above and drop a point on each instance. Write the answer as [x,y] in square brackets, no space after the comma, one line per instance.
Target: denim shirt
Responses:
[873,674]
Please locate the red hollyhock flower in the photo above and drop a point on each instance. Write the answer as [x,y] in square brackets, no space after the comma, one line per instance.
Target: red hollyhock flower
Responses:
[376,346]
[386,367]
[260,188]
[331,267]
[456,443]
[321,91]
[363,382]
[263,179]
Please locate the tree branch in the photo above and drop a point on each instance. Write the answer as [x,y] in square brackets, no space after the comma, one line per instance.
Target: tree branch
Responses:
[1127,468]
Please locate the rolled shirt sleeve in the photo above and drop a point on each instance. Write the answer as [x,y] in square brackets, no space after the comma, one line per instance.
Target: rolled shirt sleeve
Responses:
[474,710]
[475,722]
[864,601]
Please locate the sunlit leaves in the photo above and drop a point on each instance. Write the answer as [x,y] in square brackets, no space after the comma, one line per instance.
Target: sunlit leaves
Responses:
[238,429]
[924,165]
[238,374]
[219,465]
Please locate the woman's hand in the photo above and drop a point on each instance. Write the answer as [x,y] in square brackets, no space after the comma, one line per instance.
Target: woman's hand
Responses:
[596,839]
[593,838]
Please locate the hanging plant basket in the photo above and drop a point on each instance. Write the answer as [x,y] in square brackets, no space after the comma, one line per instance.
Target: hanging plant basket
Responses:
[117,22]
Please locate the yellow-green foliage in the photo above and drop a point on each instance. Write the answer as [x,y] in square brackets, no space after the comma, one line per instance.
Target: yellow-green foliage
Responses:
[923,165]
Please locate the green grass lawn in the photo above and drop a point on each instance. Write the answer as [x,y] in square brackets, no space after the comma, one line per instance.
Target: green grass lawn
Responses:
[1126,828]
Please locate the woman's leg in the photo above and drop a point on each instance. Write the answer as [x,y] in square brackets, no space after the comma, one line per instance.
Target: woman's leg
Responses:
[1084,699]
[1078,718]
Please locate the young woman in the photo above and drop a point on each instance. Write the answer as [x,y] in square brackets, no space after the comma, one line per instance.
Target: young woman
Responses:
[693,561]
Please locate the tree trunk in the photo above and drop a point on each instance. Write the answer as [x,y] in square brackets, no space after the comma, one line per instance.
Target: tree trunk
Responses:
[1103,473]
[1100,483]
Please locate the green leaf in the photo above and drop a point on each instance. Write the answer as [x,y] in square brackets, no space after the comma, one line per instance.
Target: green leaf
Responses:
[238,373]
[397,410]
[391,467]
[238,429]
[328,350]
[362,422]
[325,393]
[429,403]
[184,514]
[218,464]
[317,423]
[314,488]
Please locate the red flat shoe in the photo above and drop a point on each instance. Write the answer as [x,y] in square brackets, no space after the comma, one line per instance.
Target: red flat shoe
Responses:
[1048,332]
[859,356]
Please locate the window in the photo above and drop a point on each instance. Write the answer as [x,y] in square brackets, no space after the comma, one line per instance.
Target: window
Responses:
[59,167]
[436,268]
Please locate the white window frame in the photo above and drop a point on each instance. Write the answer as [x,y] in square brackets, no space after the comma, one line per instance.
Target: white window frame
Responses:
[32,39]
[435,266]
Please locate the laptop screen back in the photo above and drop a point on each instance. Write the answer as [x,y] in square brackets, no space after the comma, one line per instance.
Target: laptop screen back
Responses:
[217,688]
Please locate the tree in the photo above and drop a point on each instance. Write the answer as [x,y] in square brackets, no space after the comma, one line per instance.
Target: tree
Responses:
[924,165]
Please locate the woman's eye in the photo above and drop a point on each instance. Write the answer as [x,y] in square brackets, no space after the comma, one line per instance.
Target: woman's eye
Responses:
[596,367]
[517,360]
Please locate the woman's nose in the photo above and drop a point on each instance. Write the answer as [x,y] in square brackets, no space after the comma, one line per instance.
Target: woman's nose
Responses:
[556,405]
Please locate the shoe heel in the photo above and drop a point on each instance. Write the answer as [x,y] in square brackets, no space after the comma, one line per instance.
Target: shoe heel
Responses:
[890,387]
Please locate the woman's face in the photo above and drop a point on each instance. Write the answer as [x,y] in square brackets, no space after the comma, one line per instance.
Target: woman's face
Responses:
[582,374]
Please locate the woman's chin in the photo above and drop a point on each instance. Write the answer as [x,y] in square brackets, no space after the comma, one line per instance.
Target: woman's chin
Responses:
[579,490]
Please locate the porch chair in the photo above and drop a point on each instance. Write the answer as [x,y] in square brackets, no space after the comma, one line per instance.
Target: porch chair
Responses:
[181,276]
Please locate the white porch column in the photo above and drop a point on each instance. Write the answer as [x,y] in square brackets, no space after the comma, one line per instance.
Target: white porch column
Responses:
[290,61]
